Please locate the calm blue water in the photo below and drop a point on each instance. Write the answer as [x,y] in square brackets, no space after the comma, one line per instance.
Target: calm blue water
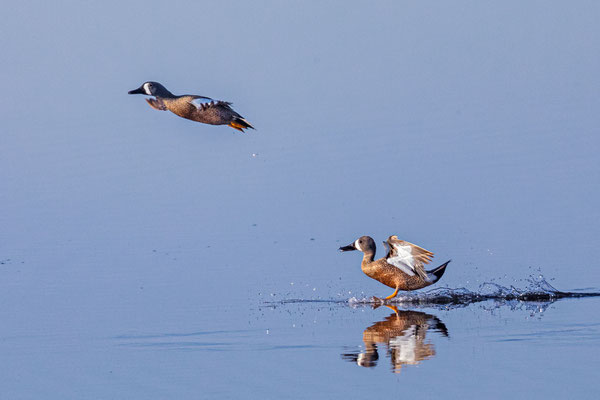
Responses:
[146,256]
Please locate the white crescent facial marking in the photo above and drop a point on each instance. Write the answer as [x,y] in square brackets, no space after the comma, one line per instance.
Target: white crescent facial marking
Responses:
[357,245]
[147,88]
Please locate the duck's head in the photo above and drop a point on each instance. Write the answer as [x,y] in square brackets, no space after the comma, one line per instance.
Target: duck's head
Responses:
[152,89]
[364,243]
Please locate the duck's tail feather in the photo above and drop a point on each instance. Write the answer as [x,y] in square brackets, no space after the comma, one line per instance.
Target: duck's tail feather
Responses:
[435,274]
[240,124]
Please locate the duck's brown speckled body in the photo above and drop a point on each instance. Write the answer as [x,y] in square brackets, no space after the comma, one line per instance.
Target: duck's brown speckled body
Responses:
[390,275]
[401,269]
[196,108]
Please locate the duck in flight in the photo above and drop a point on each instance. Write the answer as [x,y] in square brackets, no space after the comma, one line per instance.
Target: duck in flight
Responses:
[197,108]
[403,266]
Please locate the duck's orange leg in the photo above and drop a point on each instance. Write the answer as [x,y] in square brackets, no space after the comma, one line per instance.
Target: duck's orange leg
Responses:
[382,301]
[391,296]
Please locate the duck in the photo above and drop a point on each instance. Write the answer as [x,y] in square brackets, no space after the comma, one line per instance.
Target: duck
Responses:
[196,108]
[401,269]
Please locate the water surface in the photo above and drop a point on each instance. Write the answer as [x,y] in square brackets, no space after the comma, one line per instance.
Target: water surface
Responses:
[146,256]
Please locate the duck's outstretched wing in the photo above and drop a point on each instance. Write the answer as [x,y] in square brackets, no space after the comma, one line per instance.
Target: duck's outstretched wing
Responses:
[388,248]
[204,103]
[409,257]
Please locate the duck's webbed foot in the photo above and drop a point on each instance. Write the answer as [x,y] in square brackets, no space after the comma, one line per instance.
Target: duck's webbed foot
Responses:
[377,301]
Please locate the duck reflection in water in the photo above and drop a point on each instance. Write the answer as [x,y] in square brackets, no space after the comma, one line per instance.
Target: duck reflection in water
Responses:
[403,333]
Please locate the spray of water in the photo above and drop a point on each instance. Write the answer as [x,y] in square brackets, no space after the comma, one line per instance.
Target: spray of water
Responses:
[537,290]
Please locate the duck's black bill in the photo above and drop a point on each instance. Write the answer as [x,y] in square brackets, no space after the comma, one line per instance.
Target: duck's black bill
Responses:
[139,90]
[350,247]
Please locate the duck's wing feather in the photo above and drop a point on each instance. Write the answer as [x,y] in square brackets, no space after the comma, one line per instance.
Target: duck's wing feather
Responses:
[408,256]
[388,248]
[203,103]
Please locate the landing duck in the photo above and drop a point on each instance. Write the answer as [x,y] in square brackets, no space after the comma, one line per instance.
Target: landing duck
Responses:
[401,269]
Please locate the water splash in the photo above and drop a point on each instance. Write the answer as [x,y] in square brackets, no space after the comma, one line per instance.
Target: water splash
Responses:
[537,290]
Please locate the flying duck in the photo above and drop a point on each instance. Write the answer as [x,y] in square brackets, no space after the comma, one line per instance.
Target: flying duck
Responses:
[197,108]
[401,269]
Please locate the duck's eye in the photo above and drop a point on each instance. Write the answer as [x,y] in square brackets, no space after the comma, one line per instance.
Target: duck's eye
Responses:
[360,241]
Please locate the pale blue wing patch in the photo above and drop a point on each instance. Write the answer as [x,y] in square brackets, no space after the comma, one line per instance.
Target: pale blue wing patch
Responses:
[202,103]
[402,258]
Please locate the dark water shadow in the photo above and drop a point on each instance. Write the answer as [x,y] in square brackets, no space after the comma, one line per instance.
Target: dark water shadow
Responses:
[402,337]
